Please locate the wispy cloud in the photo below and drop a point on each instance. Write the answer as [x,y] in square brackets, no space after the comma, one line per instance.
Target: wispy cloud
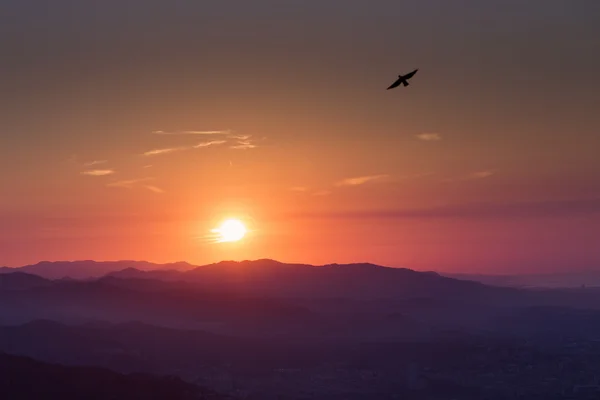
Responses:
[128,184]
[136,183]
[244,146]
[477,175]
[429,137]
[98,172]
[209,143]
[167,150]
[234,141]
[243,142]
[361,180]
[240,137]
[209,132]
[154,189]
[96,162]
[322,193]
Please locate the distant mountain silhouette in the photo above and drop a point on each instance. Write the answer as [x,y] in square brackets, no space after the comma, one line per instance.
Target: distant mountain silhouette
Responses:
[249,367]
[88,269]
[269,298]
[548,322]
[568,279]
[22,281]
[23,378]
[162,303]
[274,367]
[133,347]
[273,278]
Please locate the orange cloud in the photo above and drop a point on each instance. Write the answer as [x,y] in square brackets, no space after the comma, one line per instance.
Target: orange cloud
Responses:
[429,137]
[361,180]
[98,172]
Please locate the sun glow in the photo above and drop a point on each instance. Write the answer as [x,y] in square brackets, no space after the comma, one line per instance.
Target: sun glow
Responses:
[231,230]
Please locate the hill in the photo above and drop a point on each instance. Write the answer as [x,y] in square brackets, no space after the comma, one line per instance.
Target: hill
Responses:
[88,269]
[21,281]
[78,383]
[569,279]
[358,281]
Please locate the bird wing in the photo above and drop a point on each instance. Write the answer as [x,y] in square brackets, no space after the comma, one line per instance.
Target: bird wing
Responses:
[410,74]
[395,84]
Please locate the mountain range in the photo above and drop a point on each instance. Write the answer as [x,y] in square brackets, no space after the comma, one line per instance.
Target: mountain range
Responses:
[569,279]
[265,330]
[268,298]
[88,269]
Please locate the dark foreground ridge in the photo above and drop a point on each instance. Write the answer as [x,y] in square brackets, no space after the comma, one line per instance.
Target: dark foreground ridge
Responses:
[23,378]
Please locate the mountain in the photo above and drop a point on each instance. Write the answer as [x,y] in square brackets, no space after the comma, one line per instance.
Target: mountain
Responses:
[26,379]
[268,277]
[89,269]
[570,279]
[270,299]
[161,303]
[21,281]
[453,366]
[257,298]
[251,368]
[547,323]
[272,278]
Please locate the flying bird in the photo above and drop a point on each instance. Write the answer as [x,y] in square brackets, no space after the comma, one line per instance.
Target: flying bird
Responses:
[403,79]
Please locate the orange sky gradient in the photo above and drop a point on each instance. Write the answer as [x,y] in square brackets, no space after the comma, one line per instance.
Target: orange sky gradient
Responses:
[130,132]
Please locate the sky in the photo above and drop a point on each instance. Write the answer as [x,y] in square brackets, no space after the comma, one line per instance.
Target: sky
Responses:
[130,128]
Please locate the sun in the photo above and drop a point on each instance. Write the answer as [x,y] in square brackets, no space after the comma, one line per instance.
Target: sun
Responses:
[230,230]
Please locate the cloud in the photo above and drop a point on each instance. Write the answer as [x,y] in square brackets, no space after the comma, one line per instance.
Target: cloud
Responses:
[209,143]
[216,132]
[240,137]
[92,163]
[237,142]
[244,146]
[322,193]
[243,142]
[136,183]
[472,176]
[154,189]
[429,137]
[128,184]
[147,166]
[98,172]
[361,180]
[535,209]
[168,150]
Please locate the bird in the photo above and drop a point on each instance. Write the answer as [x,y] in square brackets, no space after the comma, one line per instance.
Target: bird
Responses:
[403,79]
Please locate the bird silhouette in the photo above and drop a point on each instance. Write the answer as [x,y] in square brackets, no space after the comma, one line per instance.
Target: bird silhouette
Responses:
[403,79]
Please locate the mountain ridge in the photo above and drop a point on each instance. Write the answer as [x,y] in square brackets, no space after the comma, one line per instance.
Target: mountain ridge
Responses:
[89,269]
[71,382]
